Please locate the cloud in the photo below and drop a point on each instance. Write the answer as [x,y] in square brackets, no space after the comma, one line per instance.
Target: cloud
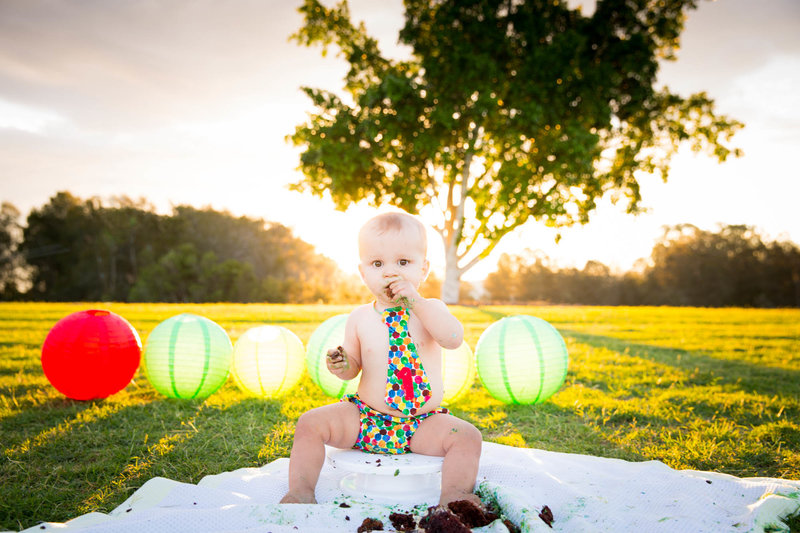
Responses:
[132,64]
[726,39]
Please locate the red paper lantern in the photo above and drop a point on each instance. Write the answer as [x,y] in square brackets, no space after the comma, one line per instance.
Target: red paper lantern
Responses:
[91,354]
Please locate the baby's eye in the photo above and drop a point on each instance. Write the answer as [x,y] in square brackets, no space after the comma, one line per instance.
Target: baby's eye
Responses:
[403,262]
[377,264]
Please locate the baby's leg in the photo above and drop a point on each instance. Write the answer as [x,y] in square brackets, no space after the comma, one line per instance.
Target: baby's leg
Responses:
[460,444]
[336,425]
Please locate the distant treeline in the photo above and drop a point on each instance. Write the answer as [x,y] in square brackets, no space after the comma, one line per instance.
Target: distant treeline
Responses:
[73,249]
[687,267]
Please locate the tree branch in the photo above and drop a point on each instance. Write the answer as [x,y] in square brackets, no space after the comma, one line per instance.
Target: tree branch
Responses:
[486,251]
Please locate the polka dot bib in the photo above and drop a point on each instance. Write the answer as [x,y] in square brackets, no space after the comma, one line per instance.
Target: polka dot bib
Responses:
[407,386]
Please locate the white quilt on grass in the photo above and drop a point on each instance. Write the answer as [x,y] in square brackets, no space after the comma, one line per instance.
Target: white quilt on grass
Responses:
[584,493]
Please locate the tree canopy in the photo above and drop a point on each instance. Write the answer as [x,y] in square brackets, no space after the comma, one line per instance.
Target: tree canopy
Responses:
[505,111]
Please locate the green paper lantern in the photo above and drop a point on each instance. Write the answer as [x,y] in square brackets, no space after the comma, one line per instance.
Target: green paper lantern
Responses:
[267,361]
[187,356]
[458,372]
[329,334]
[521,360]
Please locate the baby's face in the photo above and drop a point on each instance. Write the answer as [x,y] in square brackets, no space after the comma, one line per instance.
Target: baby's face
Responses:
[386,256]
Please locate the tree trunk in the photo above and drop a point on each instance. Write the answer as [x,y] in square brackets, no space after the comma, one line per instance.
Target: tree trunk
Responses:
[452,276]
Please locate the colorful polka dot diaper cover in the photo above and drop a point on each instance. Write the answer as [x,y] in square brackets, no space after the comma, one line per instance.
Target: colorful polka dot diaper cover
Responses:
[385,434]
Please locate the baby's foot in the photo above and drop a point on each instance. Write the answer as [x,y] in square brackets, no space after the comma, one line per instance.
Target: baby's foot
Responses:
[292,497]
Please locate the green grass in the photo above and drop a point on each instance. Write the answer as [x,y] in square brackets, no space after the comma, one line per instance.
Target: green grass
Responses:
[709,389]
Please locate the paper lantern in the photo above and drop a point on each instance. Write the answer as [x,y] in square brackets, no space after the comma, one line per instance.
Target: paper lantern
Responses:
[521,360]
[267,361]
[91,354]
[329,334]
[187,356]
[458,372]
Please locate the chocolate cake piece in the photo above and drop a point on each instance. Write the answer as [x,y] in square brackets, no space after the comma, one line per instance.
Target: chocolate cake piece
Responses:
[403,521]
[370,524]
[471,514]
[441,520]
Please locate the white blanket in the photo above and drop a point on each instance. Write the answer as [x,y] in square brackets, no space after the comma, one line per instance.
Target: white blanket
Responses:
[584,493]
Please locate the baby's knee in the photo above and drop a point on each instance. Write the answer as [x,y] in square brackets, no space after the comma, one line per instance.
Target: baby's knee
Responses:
[307,424]
[468,435]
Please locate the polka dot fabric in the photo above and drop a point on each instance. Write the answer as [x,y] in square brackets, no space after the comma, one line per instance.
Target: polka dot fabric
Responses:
[385,434]
[407,386]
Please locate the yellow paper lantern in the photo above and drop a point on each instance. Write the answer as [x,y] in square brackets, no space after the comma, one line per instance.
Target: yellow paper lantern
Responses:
[458,372]
[267,361]
[329,334]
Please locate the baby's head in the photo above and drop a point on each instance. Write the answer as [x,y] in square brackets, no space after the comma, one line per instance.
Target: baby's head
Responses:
[392,246]
[401,227]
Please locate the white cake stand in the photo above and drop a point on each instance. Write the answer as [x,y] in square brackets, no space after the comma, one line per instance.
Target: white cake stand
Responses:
[407,479]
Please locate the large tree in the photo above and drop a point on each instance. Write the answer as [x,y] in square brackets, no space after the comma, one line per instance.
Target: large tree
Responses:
[505,111]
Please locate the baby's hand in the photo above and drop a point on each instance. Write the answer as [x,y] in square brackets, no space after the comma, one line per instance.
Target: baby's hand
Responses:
[337,360]
[401,292]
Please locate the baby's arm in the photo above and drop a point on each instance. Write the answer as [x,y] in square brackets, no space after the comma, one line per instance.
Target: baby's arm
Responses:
[445,329]
[344,361]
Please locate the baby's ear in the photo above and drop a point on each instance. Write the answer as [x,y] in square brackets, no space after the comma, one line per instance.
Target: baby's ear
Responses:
[426,269]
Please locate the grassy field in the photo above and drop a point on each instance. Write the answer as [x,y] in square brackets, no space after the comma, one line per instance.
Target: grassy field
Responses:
[695,388]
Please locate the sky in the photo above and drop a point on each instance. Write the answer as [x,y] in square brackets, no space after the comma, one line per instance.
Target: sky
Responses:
[190,101]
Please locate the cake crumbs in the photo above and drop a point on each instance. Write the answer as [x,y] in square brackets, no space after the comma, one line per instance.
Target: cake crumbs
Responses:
[547,516]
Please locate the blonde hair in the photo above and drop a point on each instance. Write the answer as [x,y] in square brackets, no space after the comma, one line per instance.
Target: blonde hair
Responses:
[382,223]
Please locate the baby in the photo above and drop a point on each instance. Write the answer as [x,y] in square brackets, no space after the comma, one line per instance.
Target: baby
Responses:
[398,350]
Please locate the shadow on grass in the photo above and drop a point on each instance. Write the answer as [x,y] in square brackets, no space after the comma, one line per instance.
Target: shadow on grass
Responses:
[759,379]
[724,415]
[38,415]
[545,426]
[22,345]
[97,464]
[492,314]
